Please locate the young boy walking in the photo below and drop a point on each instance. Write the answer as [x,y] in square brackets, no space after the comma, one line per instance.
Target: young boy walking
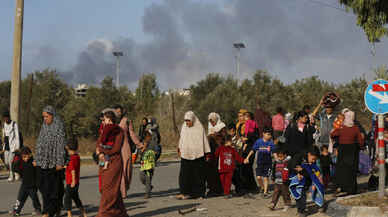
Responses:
[28,188]
[263,148]
[280,178]
[227,157]
[325,163]
[72,181]
[147,165]
[305,174]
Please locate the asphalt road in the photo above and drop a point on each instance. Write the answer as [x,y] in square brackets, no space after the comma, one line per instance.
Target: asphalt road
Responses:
[162,203]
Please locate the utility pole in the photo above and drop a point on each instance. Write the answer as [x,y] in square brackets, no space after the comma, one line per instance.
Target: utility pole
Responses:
[118,54]
[17,61]
[238,46]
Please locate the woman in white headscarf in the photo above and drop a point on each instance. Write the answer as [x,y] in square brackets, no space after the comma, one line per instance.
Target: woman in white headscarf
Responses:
[193,146]
[349,139]
[215,128]
[215,123]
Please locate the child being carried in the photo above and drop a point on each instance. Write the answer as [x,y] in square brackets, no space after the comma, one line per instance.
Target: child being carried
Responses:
[109,133]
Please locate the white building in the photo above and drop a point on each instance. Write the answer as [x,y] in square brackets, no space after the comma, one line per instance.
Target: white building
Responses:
[81,90]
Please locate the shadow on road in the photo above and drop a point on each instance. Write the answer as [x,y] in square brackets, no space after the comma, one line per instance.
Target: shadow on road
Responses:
[157,194]
[166,210]
[3,177]
[129,206]
[89,177]
[162,164]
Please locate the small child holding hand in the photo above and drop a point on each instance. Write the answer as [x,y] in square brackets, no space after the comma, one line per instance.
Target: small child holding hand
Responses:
[227,157]
[72,181]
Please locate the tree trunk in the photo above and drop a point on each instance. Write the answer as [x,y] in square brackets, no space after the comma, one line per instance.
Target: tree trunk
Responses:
[173,114]
[29,105]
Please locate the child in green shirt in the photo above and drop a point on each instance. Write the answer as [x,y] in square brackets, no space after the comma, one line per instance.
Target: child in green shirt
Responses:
[147,165]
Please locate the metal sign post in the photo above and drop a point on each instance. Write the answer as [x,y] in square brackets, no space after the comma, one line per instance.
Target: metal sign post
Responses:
[381,155]
[376,100]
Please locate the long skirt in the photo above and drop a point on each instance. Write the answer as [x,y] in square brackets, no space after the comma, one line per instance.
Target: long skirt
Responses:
[248,178]
[213,178]
[111,203]
[346,167]
[192,177]
[49,186]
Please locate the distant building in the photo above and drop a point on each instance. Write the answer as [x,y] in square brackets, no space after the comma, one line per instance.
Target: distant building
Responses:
[81,90]
[184,92]
[180,92]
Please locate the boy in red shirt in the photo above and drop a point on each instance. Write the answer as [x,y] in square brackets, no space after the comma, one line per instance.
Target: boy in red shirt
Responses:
[72,181]
[227,157]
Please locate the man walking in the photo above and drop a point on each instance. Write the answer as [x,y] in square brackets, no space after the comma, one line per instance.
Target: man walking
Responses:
[11,144]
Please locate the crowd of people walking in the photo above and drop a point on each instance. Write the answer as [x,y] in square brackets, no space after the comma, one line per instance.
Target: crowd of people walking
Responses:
[308,151]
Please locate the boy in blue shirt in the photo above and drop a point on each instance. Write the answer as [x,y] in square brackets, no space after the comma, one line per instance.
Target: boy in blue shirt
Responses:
[263,148]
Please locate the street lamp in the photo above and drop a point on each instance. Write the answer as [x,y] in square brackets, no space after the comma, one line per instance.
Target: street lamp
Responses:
[118,54]
[238,46]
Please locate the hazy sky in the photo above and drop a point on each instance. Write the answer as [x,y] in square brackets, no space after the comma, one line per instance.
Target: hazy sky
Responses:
[182,40]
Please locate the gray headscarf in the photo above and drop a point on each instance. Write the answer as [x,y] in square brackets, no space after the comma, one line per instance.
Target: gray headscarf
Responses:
[50,147]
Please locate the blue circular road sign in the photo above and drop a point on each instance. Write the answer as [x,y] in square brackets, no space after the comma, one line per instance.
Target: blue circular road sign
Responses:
[376,97]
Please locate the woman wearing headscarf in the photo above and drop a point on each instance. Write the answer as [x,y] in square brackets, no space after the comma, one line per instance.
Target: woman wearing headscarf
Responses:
[126,151]
[193,146]
[349,139]
[153,128]
[142,128]
[215,123]
[240,126]
[243,177]
[111,202]
[215,128]
[50,160]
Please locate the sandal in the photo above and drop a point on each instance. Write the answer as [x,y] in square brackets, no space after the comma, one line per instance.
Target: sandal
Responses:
[179,196]
[185,197]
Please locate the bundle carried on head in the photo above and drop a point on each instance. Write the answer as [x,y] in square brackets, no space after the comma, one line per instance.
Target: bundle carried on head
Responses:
[331,100]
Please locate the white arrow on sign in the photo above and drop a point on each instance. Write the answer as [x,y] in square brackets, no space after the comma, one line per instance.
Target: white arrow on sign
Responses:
[383,98]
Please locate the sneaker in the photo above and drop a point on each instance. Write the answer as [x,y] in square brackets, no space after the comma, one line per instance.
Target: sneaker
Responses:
[36,213]
[229,196]
[302,214]
[249,196]
[285,208]
[14,213]
[10,179]
[17,177]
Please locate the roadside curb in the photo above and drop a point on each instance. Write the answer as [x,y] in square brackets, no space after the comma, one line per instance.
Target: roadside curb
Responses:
[336,209]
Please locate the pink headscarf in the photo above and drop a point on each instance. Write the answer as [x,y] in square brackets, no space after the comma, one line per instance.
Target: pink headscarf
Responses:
[349,118]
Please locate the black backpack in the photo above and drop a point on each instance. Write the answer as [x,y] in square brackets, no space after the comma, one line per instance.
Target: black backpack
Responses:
[373,183]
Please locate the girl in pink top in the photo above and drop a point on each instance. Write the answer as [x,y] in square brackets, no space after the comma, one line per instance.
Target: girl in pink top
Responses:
[250,124]
[278,120]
